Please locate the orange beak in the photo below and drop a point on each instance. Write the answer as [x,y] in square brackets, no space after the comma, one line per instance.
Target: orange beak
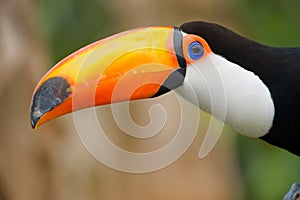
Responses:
[136,64]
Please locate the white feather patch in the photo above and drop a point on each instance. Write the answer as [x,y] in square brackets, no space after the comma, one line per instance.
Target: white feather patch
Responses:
[230,93]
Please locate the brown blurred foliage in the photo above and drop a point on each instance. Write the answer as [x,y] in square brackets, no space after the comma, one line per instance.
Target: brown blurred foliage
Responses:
[51,163]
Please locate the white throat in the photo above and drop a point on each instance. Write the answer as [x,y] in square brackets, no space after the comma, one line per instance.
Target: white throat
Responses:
[230,93]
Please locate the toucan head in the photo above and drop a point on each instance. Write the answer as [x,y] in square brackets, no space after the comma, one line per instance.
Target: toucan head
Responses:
[148,62]
[135,64]
[235,79]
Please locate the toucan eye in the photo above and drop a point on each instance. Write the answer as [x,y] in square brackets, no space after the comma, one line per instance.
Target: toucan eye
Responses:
[195,50]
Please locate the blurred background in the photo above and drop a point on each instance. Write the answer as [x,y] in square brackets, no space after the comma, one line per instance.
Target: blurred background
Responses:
[51,163]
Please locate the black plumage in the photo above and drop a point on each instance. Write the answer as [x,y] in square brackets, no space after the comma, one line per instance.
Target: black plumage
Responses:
[278,68]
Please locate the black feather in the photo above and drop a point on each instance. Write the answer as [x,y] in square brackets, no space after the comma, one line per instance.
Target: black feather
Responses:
[278,68]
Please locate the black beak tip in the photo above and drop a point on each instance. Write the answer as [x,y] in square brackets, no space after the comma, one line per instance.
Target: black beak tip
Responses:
[35,116]
[49,95]
[33,121]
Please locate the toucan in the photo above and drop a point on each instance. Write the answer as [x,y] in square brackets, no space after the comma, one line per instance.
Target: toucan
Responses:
[252,87]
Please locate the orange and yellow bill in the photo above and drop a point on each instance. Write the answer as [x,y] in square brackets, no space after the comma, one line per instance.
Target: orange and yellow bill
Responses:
[135,64]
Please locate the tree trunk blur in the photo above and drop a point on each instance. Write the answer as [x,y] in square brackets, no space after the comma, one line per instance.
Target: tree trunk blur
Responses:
[51,163]
[27,160]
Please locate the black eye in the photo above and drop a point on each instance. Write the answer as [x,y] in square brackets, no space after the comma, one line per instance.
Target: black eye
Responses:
[195,50]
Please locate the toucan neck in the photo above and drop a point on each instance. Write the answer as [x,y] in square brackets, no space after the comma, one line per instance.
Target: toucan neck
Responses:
[278,68]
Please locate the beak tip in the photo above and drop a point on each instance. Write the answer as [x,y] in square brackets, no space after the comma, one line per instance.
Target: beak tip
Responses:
[35,114]
[33,123]
[49,95]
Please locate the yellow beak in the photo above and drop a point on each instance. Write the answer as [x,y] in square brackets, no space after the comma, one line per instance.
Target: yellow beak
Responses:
[136,64]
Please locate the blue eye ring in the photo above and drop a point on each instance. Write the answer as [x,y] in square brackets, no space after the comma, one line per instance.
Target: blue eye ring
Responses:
[195,50]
